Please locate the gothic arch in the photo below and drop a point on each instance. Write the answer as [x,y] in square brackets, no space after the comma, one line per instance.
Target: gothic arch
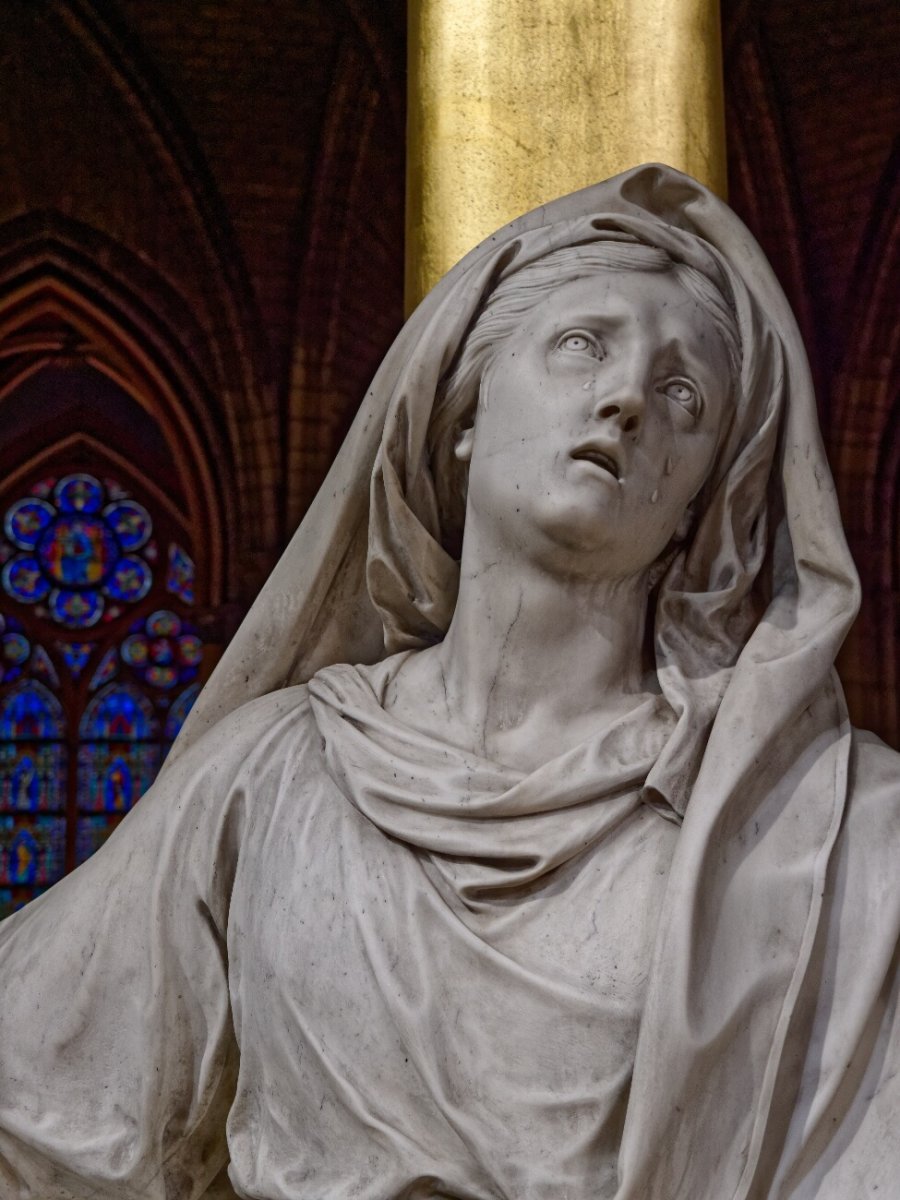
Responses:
[866,443]
[381,28]
[353,229]
[196,254]
[760,169]
[57,300]
[168,139]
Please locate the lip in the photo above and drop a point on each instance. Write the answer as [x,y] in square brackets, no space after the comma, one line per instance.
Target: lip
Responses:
[605,455]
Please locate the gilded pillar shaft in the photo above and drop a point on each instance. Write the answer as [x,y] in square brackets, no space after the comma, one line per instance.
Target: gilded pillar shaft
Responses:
[514,102]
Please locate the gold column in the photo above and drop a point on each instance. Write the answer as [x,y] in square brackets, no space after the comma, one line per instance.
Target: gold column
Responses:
[515,102]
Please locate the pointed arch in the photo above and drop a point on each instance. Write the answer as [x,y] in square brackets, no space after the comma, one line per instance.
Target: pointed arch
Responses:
[58,307]
[761,172]
[120,712]
[338,340]
[197,249]
[865,442]
[115,51]
[30,710]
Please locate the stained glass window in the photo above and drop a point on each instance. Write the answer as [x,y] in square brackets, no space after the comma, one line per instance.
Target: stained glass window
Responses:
[119,714]
[112,777]
[32,781]
[165,651]
[99,665]
[106,669]
[15,650]
[179,711]
[32,851]
[75,656]
[180,579]
[32,754]
[75,553]
[29,711]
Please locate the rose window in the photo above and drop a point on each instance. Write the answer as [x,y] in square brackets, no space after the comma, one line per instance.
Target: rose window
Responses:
[81,549]
[99,667]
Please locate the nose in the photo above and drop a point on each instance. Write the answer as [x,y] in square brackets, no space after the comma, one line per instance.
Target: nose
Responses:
[624,404]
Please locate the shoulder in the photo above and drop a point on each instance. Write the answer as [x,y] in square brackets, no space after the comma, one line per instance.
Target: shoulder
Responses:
[277,724]
[875,758]
[865,883]
[865,879]
[207,790]
[852,1078]
[874,788]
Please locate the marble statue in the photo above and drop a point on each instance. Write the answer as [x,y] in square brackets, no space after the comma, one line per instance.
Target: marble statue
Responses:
[578,884]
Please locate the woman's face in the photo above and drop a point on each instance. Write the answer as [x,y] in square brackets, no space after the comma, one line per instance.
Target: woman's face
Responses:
[598,422]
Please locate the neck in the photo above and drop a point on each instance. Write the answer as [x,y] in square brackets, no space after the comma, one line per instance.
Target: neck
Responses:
[536,649]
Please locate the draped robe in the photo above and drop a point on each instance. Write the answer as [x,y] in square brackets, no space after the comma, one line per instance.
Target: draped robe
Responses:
[394,969]
[359,962]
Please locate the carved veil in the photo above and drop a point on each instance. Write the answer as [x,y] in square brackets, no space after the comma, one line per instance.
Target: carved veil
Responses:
[749,618]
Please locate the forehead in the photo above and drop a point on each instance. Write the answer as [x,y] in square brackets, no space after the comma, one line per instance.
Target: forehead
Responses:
[656,301]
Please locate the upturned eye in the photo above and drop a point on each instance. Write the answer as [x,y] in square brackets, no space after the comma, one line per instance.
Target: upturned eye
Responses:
[580,343]
[684,394]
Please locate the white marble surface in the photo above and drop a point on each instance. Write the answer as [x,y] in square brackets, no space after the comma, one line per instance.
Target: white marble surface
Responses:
[583,887]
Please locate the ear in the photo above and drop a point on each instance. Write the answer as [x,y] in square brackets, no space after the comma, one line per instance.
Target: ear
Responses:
[462,447]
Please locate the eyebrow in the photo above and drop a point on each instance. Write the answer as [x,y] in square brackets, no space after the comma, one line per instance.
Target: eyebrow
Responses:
[692,361]
[588,317]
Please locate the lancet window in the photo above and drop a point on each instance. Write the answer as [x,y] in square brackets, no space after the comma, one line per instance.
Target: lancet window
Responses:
[99,665]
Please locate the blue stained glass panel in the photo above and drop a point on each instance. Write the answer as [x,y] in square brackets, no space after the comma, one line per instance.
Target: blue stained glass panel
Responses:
[75,655]
[130,522]
[23,580]
[26,520]
[120,713]
[91,833]
[106,670]
[42,667]
[79,494]
[111,778]
[32,776]
[161,677]
[77,610]
[14,898]
[166,654]
[190,650]
[163,623]
[162,651]
[180,577]
[29,711]
[135,650]
[78,552]
[131,579]
[179,711]
[70,554]
[14,651]
[32,849]
[15,648]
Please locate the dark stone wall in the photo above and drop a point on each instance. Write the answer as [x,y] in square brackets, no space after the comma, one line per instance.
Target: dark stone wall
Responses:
[813,113]
[207,198]
[221,184]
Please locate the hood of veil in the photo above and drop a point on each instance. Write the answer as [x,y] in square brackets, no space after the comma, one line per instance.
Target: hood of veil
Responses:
[748,620]
[766,587]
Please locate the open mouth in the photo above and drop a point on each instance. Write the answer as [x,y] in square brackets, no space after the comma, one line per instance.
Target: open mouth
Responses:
[599,459]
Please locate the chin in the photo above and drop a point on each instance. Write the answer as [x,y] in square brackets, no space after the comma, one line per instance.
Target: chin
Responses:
[585,538]
[592,538]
